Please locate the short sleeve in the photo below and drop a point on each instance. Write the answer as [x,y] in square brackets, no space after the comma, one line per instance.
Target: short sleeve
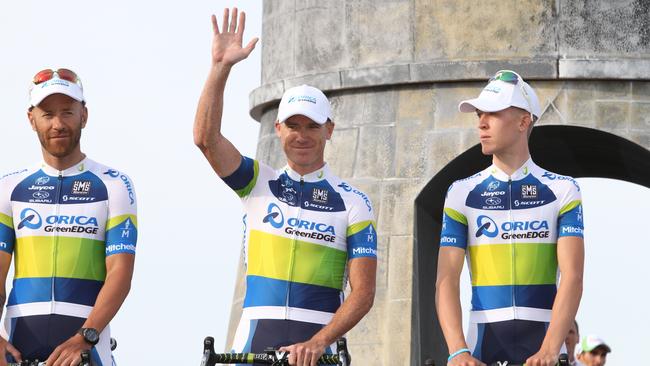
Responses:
[122,222]
[361,232]
[454,221]
[243,180]
[7,232]
[570,216]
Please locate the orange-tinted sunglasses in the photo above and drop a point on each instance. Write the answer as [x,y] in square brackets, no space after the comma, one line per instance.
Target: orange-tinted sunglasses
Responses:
[48,74]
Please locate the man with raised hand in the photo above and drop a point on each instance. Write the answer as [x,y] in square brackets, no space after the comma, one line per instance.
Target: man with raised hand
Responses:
[517,224]
[307,232]
[71,225]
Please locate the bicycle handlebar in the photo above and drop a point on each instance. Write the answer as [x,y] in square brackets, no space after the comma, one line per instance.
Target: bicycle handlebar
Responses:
[85,361]
[563,360]
[269,357]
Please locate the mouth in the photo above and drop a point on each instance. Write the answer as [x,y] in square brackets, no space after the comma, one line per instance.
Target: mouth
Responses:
[485,137]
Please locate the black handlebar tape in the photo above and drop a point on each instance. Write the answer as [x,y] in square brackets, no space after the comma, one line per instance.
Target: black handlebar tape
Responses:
[429,362]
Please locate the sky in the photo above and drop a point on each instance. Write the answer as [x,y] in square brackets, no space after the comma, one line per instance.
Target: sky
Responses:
[143,65]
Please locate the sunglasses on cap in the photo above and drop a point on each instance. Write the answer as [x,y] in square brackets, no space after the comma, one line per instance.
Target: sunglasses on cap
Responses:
[513,78]
[49,74]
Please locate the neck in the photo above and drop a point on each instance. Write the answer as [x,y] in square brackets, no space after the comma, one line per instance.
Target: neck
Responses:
[305,169]
[509,163]
[63,163]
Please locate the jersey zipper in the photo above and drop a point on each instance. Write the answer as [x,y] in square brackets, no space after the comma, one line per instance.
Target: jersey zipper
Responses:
[512,247]
[292,252]
[55,247]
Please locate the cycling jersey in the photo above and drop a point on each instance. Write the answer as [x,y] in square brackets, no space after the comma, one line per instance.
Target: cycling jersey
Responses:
[300,232]
[60,226]
[509,227]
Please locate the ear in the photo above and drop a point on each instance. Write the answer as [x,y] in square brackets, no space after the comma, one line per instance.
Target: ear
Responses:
[277,126]
[30,117]
[84,117]
[525,122]
[329,125]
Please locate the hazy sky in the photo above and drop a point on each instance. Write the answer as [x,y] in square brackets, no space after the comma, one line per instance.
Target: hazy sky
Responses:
[143,65]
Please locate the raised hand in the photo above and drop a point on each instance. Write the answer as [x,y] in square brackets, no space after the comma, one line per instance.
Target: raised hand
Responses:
[227,44]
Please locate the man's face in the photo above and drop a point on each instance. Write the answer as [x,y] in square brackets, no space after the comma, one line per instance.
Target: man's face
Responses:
[500,130]
[303,140]
[58,121]
[597,357]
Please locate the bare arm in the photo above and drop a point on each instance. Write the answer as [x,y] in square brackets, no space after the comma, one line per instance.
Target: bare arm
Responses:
[119,271]
[570,256]
[354,308]
[226,51]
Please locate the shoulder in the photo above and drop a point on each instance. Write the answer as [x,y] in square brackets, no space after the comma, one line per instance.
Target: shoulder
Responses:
[351,195]
[462,187]
[116,181]
[557,182]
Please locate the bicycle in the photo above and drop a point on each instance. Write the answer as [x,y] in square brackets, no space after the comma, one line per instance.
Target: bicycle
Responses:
[563,360]
[270,356]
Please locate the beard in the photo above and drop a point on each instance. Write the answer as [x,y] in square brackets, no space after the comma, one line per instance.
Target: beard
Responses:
[60,148]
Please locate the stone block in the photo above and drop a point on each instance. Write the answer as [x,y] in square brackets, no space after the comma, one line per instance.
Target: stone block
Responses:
[278,7]
[448,96]
[267,122]
[323,81]
[367,353]
[378,75]
[316,50]
[548,92]
[580,102]
[278,48]
[613,89]
[449,29]
[416,103]
[640,116]
[316,4]
[411,148]
[347,107]
[400,267]
[378,32]
[399,338]
[383,253]
[379,107]
[641,90]
[612,115]
[269,151]
[341,151]
[614,68]
[444,146]
[376,155]
[603,28]
[397,205]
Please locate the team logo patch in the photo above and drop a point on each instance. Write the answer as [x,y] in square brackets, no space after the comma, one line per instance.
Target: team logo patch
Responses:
[319,195]
[81,187]
[529,191]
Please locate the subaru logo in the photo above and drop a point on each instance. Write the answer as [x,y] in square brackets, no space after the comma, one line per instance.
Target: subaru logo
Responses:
[30,219]
[274,216]
[493,201]
[40,195]
[486,226]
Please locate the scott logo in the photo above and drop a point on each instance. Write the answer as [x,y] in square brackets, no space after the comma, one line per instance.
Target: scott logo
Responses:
[30,219]
[486,226]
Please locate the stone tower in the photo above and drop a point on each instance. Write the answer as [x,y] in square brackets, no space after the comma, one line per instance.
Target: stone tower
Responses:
[395,71]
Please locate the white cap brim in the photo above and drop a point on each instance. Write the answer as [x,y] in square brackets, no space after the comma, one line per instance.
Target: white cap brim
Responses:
[55,86]
[471,105]
[290,112]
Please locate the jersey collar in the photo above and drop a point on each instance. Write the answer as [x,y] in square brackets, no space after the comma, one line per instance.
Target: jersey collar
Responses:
[315,176]
[518,174]
[76,169]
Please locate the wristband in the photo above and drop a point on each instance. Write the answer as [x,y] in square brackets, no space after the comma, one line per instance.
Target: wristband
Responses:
[462,350]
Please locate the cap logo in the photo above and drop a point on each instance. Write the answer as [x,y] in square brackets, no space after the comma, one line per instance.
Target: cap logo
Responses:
[493,89]
[55,82]
[302,98]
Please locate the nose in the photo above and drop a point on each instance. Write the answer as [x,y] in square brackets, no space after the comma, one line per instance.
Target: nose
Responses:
[482,121]
[57,123]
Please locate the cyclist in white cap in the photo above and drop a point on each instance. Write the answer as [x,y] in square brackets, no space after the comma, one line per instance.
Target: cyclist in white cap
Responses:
[70,224]
[592,351]
[517,225]
[307,232]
